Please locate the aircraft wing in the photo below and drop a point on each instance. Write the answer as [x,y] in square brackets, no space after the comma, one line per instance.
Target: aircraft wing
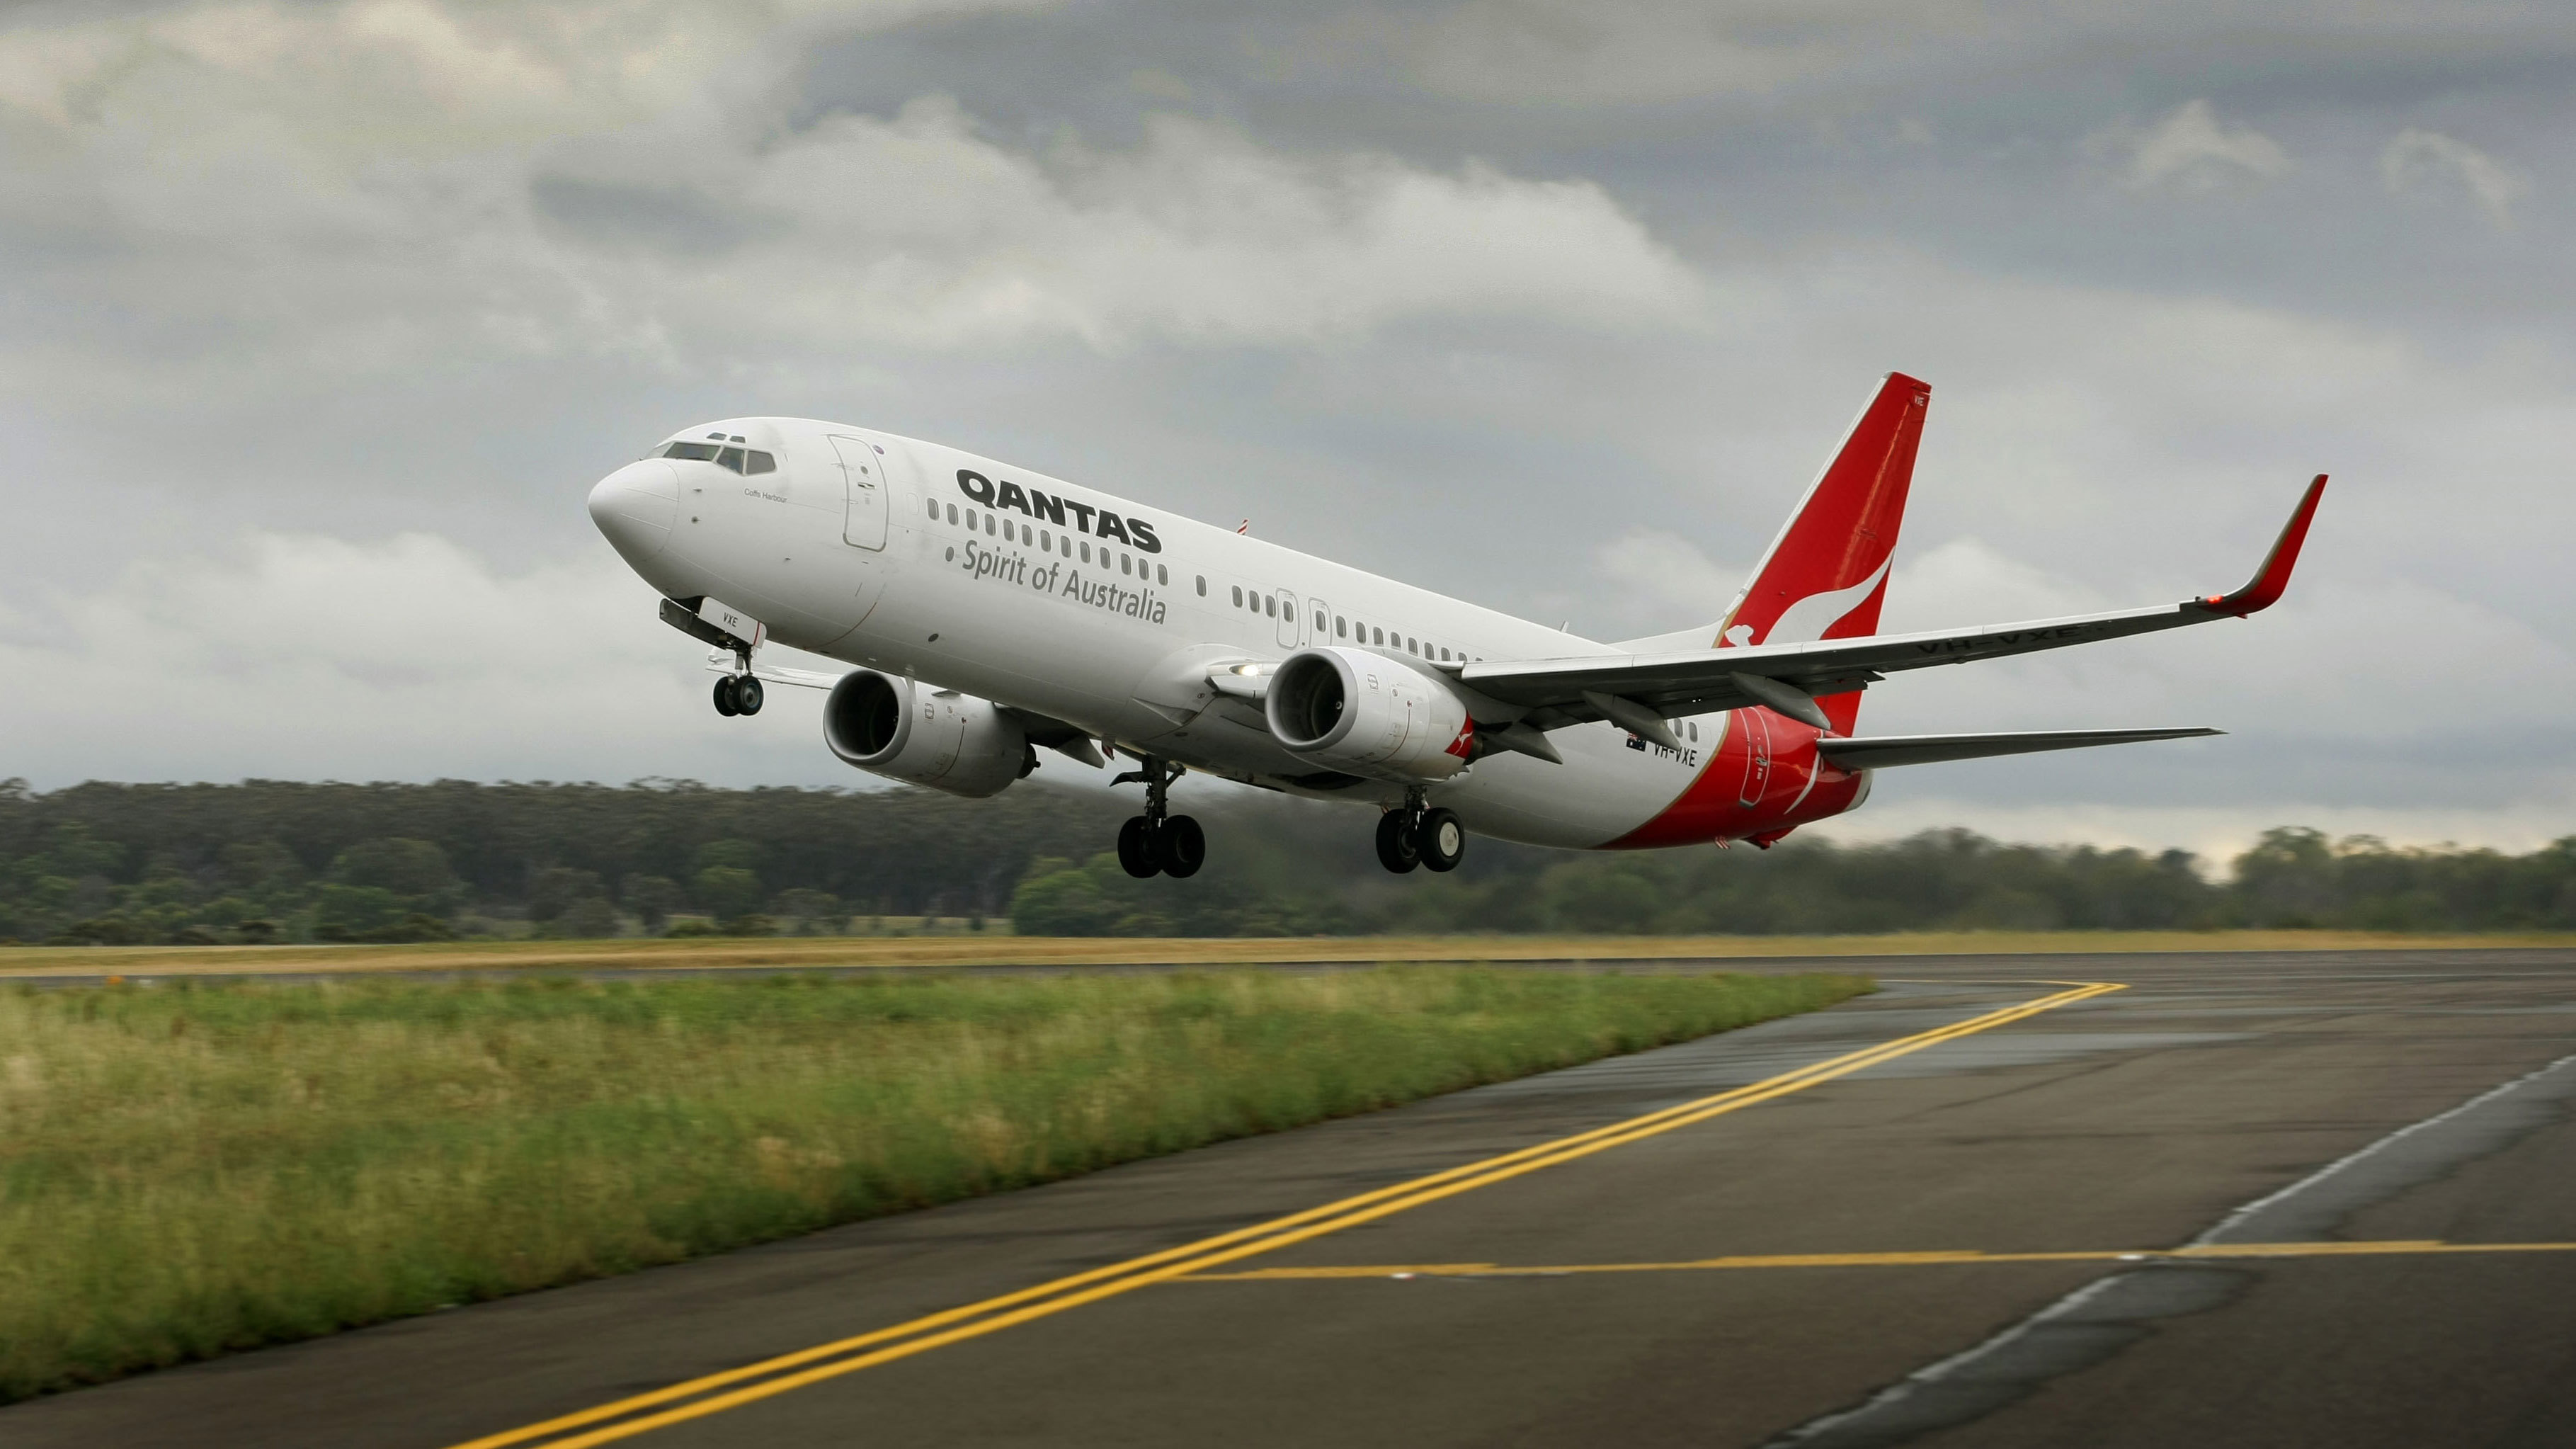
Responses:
[720,661]
[1639,691]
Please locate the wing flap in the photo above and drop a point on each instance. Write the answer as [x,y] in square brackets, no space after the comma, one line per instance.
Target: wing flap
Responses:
[1878,752]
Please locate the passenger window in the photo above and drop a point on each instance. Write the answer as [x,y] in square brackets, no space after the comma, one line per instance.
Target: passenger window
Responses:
[1202,586]
[695,452]
[1380,637]
[1694,731]
[970,520]
[1122,565]
[988,523]
[1162,575]
[1238,596]
[952,515]
[1270,605]
[1086,553]
[1341,627]
[934,509]
[760,462]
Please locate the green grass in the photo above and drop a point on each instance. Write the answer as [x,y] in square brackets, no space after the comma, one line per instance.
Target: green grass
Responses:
[185,1171]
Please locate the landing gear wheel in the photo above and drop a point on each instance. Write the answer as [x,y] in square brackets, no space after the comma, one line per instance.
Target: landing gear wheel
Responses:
[724,698]
[1395,848]
[1180,847]
[1136,853]
[746,694]
[1440,840]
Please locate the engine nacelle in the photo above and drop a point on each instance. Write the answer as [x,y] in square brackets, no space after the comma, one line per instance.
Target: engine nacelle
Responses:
[890,726]
[1366,714]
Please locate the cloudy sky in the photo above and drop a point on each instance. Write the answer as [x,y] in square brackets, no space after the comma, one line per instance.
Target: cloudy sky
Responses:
[318,317]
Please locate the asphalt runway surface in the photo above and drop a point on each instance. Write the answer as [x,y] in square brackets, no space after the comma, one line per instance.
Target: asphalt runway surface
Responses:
[2286,1199]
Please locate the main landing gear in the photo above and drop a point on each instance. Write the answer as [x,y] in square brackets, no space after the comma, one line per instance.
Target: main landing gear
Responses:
[739,693]
[1156,842]
[1411,835]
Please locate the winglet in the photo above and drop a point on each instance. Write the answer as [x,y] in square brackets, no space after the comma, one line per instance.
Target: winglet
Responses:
[2264,589]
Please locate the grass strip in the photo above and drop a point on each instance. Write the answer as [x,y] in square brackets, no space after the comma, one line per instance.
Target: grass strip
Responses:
[191,1169]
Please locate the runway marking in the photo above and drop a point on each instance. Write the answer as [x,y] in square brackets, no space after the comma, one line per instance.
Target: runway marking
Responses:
[1882,1260]
[2100,1319]
[769,1377]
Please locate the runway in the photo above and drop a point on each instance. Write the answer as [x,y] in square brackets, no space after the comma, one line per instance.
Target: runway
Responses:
[2319,1198]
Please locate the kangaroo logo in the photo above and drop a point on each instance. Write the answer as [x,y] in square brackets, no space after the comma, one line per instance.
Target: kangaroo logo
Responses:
[1806,621]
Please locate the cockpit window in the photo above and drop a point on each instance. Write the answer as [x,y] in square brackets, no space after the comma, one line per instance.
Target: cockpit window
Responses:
[740,460]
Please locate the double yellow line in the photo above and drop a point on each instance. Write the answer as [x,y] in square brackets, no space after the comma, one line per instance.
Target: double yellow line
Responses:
[714,1393]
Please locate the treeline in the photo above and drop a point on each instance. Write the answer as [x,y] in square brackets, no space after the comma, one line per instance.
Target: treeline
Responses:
[277,860]
[272,861]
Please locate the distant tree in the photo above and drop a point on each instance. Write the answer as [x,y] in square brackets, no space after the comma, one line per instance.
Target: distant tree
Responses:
[727,855]
[558,888]
[652,898]
[589,917]
[414,868]
[355,913]
[2287,879]
[814,912]
[727,891]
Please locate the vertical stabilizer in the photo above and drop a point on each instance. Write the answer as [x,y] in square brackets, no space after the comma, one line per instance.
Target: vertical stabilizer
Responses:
[1825,576]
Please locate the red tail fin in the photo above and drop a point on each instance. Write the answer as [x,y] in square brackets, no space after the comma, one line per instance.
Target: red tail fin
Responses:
[1826,574]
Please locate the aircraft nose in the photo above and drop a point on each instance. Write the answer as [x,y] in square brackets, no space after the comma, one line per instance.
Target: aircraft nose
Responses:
[636,506]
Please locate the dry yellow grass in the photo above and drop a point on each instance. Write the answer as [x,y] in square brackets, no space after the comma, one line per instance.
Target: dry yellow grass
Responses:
[841,951]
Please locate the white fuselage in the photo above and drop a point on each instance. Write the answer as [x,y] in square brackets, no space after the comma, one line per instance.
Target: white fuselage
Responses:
[982,586]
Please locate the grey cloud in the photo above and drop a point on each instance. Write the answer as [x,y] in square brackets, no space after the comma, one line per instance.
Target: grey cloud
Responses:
[672,219]
[268,329]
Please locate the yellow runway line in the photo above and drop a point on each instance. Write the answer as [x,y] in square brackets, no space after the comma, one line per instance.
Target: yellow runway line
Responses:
[773,1376]
[1879,1260]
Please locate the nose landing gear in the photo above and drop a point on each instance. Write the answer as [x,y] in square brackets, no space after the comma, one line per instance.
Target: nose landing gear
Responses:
[1156,842]
[1411,835]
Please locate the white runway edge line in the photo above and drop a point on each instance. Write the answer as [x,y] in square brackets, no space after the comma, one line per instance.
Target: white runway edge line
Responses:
[2105,1316]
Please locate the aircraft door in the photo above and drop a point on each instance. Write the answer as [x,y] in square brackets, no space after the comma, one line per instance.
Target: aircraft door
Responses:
[863,484]
[1757,754]
[1287,620]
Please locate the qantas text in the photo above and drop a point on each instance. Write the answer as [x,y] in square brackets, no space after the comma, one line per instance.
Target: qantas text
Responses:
[1098,522]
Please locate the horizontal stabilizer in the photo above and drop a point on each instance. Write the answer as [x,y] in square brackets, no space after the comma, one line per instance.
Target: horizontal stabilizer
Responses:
[1881,751]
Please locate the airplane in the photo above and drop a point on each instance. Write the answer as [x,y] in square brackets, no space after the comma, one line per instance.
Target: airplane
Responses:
[988,612]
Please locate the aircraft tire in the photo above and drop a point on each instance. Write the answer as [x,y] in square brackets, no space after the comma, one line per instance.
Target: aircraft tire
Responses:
[724,698]
[1395,849]
[1440,840]
[747,694]
[1136,848]
[1180,847]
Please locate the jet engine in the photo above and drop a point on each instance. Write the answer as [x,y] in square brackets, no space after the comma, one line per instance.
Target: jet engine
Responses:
[1366,714]
[891,726]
